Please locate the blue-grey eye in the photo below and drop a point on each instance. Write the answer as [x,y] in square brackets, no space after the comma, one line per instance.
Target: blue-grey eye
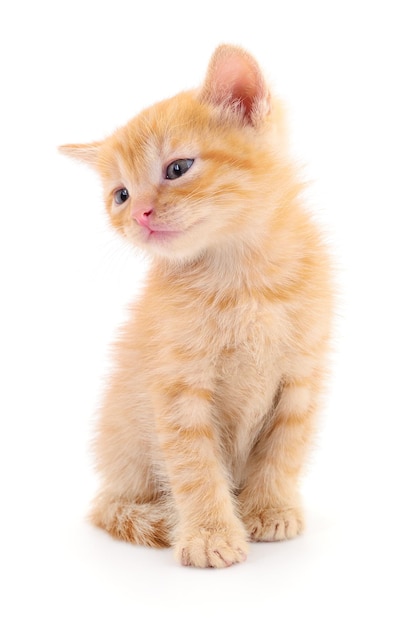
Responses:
[178,168]
[121,195]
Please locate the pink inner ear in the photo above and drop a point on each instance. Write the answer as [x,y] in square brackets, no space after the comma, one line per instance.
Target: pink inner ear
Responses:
[241,83]
[235,77]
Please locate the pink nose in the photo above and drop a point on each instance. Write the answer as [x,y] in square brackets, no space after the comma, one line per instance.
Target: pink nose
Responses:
[142,216]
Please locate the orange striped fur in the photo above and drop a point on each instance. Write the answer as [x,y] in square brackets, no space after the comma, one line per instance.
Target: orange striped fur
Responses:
[210,411]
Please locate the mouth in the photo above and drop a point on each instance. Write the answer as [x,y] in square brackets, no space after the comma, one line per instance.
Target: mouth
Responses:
[161,235]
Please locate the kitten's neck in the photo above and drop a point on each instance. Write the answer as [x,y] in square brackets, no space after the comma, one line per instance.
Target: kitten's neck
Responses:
[233,266]
[272,258]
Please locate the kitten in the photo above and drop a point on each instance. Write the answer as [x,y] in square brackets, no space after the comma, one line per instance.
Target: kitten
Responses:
[209,413]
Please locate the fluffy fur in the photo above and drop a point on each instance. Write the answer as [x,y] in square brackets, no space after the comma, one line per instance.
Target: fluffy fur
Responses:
[208,416]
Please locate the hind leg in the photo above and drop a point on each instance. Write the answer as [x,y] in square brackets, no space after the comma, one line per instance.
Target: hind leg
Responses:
[147,523]
[133,504]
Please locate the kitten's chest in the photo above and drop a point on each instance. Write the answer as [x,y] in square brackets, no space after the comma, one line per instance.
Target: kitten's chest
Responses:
[229,328]
[247,324]
[224,336]
[249,355]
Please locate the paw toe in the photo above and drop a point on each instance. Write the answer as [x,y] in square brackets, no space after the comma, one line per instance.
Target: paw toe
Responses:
[212,549]
[274,524]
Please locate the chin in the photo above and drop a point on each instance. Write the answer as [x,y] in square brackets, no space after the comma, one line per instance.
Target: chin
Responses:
[178,247]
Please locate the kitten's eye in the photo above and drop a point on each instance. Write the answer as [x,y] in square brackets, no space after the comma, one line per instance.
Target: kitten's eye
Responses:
[121,195]
[178,168]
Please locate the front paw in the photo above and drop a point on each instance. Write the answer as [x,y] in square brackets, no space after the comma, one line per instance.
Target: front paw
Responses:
[212,547]
[274,524]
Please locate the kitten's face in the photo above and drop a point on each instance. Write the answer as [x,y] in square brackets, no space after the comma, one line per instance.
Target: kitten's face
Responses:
[176,181]
[191,172]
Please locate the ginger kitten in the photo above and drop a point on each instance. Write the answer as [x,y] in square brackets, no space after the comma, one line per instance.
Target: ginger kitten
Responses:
[209,413]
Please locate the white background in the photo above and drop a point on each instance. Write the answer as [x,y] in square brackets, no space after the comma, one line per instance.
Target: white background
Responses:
[74,71]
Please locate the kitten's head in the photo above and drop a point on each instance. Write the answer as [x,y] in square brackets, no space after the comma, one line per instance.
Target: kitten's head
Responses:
[188,173]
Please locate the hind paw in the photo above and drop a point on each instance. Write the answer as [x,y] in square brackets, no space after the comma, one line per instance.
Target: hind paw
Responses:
[146,524]
[274,524]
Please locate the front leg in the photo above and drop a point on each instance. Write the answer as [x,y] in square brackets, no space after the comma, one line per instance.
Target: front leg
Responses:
[209,533]
[269,501]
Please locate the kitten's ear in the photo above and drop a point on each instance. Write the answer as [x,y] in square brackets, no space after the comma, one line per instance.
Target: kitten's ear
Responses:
[87,152]
[235,80]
